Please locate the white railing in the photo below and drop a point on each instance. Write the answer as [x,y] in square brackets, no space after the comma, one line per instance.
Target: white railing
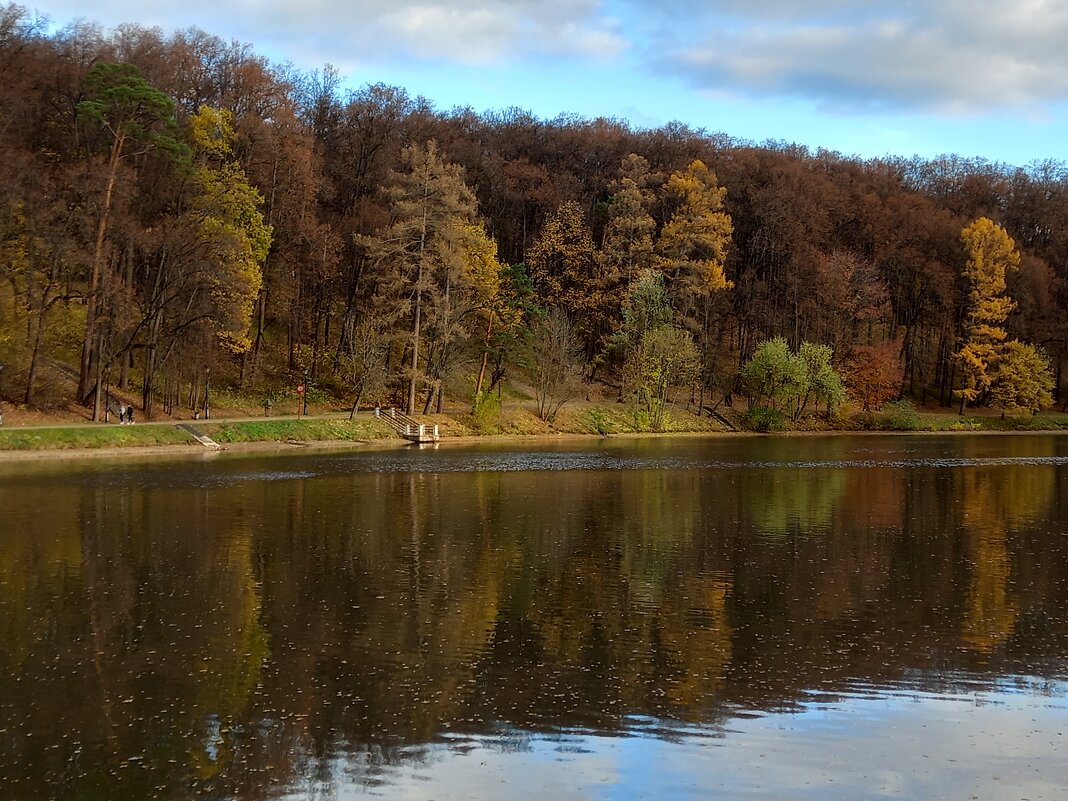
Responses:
[421,431]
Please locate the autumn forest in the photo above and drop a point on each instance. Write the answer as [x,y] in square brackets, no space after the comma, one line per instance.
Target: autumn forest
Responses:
[178,212]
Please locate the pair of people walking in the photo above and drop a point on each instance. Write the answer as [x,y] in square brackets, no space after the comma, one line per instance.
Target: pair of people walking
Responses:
[126,414]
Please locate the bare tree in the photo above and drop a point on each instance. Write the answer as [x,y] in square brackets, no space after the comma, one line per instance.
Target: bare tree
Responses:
[556,363]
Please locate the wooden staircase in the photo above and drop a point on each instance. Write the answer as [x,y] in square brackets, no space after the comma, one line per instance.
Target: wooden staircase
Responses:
[407,427]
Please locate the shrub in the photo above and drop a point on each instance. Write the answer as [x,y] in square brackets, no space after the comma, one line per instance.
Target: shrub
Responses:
[641,420]
[486,413]
[761,418]
[599,420]
[899,416]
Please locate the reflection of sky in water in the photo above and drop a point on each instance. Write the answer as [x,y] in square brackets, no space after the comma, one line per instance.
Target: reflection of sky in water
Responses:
[987,745]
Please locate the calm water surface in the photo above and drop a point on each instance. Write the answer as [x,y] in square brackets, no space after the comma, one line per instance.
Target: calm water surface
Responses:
[768,618]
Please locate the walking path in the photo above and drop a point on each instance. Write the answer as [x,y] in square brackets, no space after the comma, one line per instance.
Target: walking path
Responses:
[176,422]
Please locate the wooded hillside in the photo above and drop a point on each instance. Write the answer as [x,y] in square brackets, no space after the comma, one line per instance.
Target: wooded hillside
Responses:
[174,210]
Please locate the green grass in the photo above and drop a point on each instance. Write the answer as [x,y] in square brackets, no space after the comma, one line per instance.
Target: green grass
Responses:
[619,418]
[578,419]
[311,430]
[955,422]
[113,436]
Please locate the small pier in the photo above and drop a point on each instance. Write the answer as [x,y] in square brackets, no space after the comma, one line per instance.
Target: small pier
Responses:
[408,428]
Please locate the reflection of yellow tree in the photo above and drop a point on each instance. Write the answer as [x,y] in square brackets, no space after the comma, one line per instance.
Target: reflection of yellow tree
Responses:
[452,622]
[698,636]
[995,502]
[230,657]
[657,516]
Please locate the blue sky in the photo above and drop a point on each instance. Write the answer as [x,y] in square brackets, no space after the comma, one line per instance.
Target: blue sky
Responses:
[984,78]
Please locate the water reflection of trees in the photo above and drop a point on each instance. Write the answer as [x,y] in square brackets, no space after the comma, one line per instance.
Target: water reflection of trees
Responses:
[996,504]
[787,501]
[239,639]
[149,645]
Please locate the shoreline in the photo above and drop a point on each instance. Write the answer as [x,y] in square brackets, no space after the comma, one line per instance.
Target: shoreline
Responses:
[328,429]
[187,450]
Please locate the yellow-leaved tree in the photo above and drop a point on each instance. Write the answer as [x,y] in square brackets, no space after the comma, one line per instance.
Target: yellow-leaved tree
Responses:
[1013,375]
[462,301]
[693,243]
[231,221]
[990,252]
[1022,380]
[691,252]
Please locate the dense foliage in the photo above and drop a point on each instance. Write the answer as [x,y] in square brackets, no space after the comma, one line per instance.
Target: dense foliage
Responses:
[174,209]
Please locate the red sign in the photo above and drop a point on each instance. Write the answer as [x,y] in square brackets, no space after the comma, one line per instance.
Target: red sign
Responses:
[300,389]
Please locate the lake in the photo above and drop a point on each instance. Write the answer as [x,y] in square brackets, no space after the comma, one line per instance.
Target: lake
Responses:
[824,618]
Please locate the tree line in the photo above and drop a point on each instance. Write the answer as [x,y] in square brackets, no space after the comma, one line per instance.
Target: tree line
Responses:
[175,210]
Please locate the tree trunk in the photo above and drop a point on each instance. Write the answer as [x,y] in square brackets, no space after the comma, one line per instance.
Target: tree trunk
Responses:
[416,321]
[38,339]
[317,342]
[149,382]
[485,357]
[294,324]
[148,386]
[99,381]
[95,270]
[248,361]
[356,403]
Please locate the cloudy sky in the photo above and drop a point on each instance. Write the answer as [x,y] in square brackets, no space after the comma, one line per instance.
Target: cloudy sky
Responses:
[869,77]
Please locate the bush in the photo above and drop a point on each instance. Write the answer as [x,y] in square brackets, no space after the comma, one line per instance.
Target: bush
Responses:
[761,418]
[599,420]
[899,416]
[486,413]
[641,420]
[861,421]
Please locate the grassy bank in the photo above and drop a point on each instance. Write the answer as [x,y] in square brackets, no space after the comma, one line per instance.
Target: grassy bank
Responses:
[577,418]
[950,421]
[954,422]
[306,430]
[90,437]
[618,418]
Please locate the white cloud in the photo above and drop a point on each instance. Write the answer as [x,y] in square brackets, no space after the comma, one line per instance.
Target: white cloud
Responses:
[950,57]
[351,31]
[947,56]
